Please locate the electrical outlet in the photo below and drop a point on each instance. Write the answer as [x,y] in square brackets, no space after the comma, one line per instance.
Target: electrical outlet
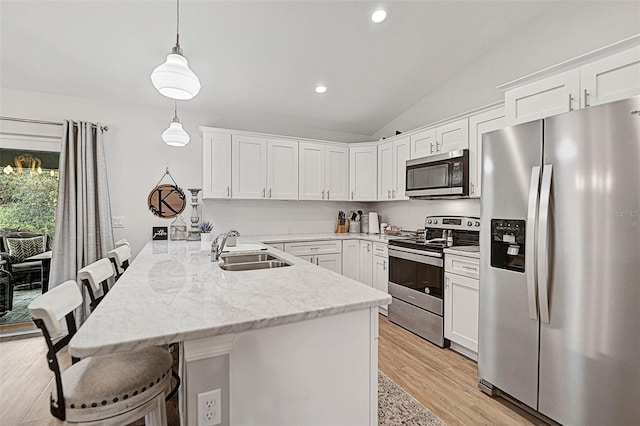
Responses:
[209,409]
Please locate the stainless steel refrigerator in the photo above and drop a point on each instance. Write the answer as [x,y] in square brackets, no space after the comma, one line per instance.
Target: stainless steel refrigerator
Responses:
[559,322]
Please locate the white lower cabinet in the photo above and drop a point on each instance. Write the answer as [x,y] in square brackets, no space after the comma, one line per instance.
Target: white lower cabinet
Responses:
[461,303]
[381,271]
[351,259]
[366,263]
[327,254]
[333,262]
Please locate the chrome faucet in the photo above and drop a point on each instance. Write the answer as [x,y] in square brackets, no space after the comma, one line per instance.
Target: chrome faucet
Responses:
[217,246]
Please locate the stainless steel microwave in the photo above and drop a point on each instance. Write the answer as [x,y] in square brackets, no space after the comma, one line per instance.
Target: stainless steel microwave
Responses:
[438,176]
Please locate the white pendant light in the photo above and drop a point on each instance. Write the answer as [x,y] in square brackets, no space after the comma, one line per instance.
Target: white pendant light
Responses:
[174,79]
[175,135]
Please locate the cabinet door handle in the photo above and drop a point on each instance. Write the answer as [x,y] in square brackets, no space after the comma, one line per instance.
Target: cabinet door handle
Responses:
[317,261]
[228,192]
[393,193]
[384,265]
[431,149]
[388,194]
[368,248]
[570,102]
[586,98]
[327,194]
[352,195]
[323,194]
[446,285]
[437,147]
[472,189]
[269,192]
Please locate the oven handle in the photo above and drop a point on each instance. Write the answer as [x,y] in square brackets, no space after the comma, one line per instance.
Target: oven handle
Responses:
[416,256]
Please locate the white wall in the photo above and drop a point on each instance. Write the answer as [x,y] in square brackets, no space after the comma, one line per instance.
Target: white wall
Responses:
[137,157]
[410,214]
[568,30]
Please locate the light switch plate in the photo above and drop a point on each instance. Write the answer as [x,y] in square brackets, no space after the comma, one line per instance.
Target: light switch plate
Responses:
[117,221]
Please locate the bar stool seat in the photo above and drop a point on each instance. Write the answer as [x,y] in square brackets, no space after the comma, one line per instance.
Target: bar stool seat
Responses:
[106,385]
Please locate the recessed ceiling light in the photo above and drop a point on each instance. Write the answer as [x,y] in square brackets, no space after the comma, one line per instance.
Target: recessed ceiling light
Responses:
[379,15]
[321,89]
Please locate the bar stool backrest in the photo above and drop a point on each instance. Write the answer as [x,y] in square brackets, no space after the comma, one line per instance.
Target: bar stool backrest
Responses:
[95,276]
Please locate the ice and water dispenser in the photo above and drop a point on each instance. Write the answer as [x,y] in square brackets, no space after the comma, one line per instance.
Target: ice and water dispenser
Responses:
[507,244]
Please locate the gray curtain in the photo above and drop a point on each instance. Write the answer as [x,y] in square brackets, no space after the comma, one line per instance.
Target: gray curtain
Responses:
[83,231]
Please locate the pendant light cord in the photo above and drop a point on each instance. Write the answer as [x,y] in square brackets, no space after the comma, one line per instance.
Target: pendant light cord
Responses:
[178,23]
[175,111]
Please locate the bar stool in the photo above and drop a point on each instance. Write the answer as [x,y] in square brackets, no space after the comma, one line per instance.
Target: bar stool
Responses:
[113,389]
[119,257]
[93,277]
[122,242]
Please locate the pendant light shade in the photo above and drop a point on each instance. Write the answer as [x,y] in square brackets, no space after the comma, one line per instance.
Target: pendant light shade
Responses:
[174,79]
[175,135]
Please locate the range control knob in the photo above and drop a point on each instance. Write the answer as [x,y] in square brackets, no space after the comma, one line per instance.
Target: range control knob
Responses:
[469,223]
[429,221]
[435,220]
[477,223]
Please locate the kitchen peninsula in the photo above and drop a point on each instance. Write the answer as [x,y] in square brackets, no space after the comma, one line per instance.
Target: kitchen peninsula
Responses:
[289,345]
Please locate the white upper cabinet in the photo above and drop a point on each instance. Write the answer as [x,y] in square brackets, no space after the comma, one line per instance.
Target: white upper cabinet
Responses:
[249,167]
[447,137]
[392,166]
[282,169]
[544,98]
[401,153]
[611,79]
[453,136]
[385,171]
[312,156]
[216,165]
[363,174]
[479,124]
[605,79]
[336,176]
[423,143]
[324,172]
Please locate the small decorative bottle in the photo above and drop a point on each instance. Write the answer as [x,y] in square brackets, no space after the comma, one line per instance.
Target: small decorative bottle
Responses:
[178,229]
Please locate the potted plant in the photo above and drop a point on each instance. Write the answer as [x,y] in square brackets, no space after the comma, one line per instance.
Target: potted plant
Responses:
[205,228]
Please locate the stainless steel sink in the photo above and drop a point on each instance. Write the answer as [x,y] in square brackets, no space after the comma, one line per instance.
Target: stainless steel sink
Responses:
[247,258]
[250,266]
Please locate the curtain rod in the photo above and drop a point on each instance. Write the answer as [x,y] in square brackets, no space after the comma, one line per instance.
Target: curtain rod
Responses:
[52,123]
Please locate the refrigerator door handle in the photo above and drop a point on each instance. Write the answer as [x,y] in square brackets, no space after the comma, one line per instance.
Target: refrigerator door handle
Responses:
[543,239]
[530,251]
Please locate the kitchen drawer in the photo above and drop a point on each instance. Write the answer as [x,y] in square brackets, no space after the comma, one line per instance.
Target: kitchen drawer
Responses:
[380,249]
[462,265]
[302,248]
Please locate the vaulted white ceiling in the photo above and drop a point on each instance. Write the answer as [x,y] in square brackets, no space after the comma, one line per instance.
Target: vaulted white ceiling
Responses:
[257,60]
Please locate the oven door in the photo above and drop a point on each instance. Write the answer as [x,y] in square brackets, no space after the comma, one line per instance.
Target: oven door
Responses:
[417,278]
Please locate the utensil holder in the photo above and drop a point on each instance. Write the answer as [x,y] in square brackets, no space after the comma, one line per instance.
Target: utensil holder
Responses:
[354,227]
[340,229]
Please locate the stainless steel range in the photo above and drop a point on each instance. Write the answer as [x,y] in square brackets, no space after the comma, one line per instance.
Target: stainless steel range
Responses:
[416,274]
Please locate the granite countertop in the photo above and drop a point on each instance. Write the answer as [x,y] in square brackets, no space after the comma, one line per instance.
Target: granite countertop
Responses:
[377,238]
[469,251]
[172,292]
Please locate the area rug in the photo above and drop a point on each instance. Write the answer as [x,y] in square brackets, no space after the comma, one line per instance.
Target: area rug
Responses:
[20,313]
[396,407]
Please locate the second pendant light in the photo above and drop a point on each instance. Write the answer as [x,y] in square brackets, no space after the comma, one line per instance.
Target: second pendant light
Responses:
[175,135]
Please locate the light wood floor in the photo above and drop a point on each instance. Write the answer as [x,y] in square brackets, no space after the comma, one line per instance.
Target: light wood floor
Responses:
[441,379]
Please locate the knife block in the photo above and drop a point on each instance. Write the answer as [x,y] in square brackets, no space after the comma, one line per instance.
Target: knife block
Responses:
[340,229]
